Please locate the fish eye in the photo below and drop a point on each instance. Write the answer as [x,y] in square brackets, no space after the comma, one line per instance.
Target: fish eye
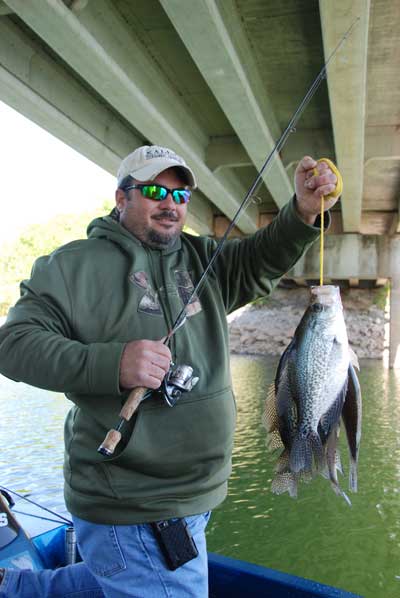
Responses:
[317,307]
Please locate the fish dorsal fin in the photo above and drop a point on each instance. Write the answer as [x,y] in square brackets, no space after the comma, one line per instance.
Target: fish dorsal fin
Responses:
[353,359]
[289,353]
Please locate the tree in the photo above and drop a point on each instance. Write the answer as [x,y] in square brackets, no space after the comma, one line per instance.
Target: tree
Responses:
[17,257]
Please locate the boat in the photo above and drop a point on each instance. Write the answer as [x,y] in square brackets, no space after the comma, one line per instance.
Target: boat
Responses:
[29,539]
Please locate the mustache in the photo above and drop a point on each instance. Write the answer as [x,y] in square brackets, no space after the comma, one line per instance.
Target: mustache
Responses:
[170,214]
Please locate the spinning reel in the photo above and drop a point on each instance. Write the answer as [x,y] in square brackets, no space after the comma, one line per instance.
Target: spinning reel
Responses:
[179,379]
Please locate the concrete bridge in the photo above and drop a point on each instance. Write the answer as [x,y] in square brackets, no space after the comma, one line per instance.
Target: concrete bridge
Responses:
[218,81]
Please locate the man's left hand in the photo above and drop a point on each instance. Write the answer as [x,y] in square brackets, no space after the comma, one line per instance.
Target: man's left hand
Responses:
[310,187]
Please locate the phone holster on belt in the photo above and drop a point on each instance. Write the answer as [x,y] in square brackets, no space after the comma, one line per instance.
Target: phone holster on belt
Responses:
[175,541]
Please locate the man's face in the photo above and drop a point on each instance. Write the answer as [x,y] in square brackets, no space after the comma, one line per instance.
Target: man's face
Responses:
[156,223]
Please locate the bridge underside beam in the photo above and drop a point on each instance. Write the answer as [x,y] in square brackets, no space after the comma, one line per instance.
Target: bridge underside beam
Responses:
[224,58]
[98,46]
[347,84]
[350,256]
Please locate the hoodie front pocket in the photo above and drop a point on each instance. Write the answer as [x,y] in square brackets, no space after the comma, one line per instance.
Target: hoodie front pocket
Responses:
[173,451]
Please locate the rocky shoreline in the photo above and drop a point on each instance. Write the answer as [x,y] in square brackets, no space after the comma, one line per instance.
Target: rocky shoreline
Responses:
[267,329]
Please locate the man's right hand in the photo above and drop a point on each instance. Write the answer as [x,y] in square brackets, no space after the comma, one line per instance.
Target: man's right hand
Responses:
[144,363]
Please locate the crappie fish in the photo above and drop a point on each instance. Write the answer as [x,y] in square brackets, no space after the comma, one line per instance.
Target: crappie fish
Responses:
[315,387]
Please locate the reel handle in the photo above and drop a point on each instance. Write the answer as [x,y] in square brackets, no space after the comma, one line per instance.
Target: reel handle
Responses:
[113,436]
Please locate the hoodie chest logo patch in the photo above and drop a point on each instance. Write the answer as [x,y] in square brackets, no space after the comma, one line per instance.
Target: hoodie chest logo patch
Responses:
[149,302]
[185,289]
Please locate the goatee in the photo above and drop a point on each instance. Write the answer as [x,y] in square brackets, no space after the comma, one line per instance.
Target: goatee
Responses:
[161,240]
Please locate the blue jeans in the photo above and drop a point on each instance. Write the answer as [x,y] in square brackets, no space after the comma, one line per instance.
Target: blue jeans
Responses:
[120,561]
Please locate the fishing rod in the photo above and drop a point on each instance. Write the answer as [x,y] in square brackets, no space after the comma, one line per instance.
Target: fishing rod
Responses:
[32,502]
[180,379]
[10,520]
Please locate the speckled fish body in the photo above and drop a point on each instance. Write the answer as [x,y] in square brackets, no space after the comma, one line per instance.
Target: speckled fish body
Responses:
[315,387]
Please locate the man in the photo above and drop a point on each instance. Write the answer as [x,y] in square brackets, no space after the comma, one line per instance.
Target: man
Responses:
[91,322]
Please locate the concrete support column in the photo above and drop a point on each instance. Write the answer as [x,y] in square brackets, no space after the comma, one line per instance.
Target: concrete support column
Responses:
[394,344]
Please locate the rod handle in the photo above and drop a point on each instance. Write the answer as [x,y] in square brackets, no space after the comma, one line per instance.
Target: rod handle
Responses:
[113,436]
[109,443]
[132,402]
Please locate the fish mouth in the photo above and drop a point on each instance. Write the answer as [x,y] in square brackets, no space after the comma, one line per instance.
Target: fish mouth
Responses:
[327,294]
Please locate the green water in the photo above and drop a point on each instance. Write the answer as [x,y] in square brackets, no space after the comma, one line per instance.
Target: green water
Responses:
[317,536]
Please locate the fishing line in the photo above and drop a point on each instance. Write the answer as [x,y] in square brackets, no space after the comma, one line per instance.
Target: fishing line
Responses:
[38,516]
[36,505]
[335,193]
[321,244]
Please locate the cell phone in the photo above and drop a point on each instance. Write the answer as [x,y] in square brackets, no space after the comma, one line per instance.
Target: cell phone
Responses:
[175,541]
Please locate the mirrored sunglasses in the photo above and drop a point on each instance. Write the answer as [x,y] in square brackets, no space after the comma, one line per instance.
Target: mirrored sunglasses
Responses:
[159,193]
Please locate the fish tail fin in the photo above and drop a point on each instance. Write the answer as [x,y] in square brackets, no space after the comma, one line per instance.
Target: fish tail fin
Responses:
[339,492]
[338,467]
[306,451]
[353,485]
[274,441]
[282,464]
[326,473]
[334,465]
[285,482]
[338,462]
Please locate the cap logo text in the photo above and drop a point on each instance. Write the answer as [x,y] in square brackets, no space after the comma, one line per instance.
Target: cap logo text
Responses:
[161,152]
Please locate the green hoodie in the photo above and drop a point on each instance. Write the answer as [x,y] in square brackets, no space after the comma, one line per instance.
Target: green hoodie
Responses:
[67,333]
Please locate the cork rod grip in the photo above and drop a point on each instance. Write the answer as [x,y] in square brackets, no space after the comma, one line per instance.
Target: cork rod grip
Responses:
[113,436]
[132,402]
